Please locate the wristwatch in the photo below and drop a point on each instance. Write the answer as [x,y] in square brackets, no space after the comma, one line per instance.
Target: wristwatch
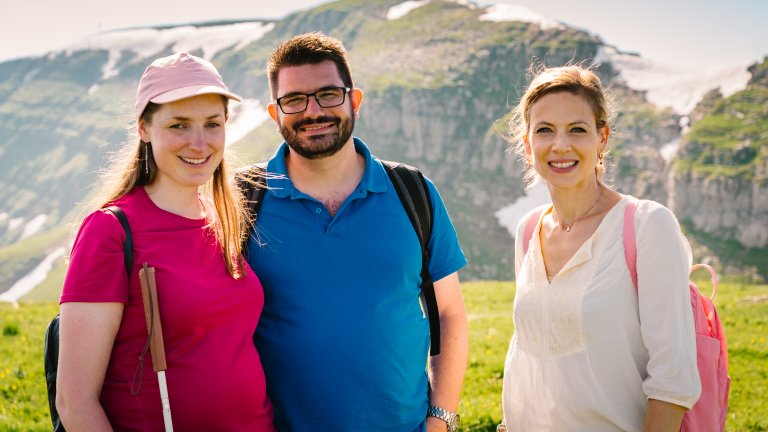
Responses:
[450,418]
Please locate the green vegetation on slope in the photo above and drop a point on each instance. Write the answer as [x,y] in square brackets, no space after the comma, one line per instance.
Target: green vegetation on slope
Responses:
[732,139]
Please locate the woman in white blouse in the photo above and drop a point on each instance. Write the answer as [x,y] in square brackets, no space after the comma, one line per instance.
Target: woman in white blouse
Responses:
[588,353]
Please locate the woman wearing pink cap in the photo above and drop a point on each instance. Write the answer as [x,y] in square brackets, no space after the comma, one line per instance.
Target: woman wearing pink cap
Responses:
[209,301]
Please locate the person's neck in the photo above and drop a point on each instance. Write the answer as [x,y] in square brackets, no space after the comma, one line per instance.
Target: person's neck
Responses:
[338,173]
[574,205]
[183,202]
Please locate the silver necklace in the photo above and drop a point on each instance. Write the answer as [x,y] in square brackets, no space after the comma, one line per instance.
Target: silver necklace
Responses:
[568,227]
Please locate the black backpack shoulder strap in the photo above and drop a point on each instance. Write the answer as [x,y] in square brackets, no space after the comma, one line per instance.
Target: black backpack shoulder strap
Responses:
[51,348]
[252,181]
[128,243]
[412,190]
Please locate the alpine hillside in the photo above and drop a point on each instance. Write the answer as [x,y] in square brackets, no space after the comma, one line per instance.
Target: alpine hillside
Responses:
[439,79]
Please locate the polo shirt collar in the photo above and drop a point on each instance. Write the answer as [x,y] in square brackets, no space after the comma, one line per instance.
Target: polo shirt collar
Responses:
[374,176]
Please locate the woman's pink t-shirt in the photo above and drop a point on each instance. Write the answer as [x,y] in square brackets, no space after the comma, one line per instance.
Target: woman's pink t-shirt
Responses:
[215,379]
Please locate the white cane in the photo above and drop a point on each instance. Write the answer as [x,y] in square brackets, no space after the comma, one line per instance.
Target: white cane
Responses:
[155,331]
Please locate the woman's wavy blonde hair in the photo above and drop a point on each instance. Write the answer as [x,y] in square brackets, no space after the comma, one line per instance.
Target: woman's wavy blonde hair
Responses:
[575,79]
[134,166]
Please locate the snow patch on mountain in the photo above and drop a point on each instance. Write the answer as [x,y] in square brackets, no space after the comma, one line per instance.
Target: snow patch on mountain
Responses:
[33,226]
[511,12]
[110,69]
[247,116]
[32,279]
[149,42]
[15,223]
[510,216]
[669,150]
[400,10]
[671,86]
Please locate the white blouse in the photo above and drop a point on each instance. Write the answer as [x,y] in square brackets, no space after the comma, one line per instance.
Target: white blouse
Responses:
[588,352]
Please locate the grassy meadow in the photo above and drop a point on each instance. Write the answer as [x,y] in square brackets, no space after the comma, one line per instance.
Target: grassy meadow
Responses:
[743,309]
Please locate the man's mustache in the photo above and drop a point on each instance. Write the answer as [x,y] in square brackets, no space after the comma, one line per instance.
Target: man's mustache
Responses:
[310,121]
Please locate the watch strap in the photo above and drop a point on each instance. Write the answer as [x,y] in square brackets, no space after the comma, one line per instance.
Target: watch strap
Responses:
[449,417]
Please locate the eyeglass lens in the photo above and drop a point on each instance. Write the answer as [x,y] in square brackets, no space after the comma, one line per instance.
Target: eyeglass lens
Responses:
[326,98]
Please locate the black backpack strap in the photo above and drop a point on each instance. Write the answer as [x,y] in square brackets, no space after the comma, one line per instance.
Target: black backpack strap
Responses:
[51,348]
[412,190]
[252,181]
[51,363]
[128,243]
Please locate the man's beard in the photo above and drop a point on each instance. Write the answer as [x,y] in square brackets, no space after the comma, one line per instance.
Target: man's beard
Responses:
[319,146]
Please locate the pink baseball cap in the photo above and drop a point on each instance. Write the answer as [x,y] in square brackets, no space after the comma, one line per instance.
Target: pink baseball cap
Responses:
[176,77]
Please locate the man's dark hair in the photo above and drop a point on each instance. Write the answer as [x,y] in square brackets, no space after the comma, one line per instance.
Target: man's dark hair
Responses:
[309,48]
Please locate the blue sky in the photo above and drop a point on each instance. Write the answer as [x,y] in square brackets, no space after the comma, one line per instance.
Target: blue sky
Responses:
[695,33]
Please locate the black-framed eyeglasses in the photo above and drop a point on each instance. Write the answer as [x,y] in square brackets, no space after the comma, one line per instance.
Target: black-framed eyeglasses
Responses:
[327,97]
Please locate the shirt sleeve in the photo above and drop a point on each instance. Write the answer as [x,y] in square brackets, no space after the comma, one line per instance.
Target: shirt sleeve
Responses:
[445,254]
[666,320]
[96,271]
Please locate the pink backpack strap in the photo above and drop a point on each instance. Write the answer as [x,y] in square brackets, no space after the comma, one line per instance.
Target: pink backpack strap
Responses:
[630,249]
[630,243]
[533,219]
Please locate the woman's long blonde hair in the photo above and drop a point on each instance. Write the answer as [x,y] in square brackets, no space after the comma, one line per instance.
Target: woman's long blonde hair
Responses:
[134,166]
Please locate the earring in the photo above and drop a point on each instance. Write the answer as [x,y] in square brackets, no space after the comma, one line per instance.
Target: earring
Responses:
[600,158]
[146,157]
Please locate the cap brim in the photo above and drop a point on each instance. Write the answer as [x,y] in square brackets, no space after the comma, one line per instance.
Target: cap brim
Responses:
[186,92]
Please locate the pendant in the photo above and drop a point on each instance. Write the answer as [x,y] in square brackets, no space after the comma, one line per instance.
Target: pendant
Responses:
[568,228]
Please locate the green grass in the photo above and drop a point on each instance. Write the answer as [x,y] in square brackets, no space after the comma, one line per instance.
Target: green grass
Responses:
[489,309]
[743,309]
[23,396]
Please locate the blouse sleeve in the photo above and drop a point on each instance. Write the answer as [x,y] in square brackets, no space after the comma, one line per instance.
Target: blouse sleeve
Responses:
[96,271]
[666,320]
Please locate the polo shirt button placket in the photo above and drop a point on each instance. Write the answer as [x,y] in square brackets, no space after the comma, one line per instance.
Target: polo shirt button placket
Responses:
[318,210]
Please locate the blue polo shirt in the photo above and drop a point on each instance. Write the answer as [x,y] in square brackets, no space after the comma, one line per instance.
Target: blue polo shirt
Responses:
[342,337]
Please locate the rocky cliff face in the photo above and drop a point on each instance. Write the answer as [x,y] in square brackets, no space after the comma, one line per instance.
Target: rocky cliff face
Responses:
[731,207]
[721,173]
[435,98]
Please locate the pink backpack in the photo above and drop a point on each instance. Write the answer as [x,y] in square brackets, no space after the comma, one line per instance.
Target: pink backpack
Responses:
[709,412]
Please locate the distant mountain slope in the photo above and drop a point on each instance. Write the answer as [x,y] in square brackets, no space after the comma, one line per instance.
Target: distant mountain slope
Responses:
[439,78]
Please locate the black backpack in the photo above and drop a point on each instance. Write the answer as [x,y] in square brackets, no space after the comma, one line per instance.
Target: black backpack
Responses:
[414,195]
[51,350]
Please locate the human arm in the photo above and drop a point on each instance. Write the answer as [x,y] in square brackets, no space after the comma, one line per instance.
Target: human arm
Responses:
[666,321]
[95,289]
[446,370]
[87,333]
[663,416]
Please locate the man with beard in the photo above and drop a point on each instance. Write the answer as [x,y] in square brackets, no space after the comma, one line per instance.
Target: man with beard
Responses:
[343,337]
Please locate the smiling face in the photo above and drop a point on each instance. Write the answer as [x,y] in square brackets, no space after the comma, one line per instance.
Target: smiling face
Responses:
[187,139]
[563,140]
[316,132]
